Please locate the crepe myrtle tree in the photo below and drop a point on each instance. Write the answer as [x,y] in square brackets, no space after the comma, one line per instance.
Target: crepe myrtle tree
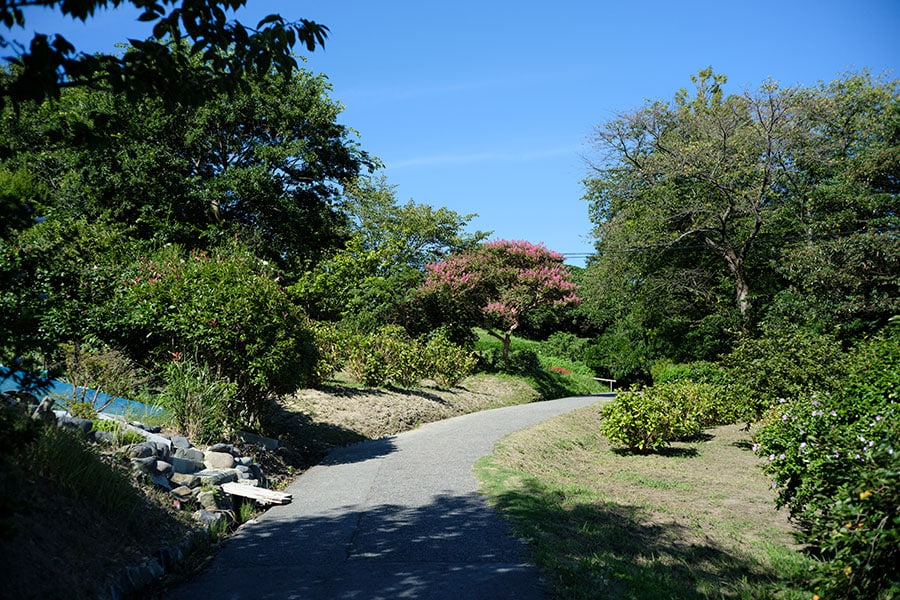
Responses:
[496,284]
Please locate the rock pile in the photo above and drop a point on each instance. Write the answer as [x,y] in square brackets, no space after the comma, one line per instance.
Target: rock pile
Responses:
[193,476]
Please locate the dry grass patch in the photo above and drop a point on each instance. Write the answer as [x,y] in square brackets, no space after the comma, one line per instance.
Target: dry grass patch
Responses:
[696,521]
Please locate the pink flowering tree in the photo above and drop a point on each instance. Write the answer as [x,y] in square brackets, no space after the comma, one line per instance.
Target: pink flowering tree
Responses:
[497,284]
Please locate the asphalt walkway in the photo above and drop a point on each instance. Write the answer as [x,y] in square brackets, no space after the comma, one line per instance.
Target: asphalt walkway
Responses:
[392,518]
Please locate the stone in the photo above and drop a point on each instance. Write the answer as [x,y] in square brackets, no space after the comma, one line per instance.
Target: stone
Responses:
[82,426]
[207,500]
[146,464]
[207,517]
[184,479]
[105,437]
[180,442]
[221,448]
[161,480]
[216,476]
[163,468]
[244,460]
[186,465]
[218,460]
[190,454]
[242,469]
[141,450]
[44,411]
[182,492]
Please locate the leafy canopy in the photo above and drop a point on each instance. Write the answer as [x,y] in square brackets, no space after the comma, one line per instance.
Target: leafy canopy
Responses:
[160,64]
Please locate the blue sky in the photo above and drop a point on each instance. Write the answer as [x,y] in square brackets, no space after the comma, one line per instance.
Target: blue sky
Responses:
[488,107]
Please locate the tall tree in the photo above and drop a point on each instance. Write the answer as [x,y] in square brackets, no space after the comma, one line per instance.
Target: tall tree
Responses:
[384,257]
[229,50]
[497,284]
[705,172]
[265,163]
[713,210]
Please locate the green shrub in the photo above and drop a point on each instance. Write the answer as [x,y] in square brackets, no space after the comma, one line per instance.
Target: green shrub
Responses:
[386,357]
[783,363]
[332,347]
[645,421]
[565,345]
[447,363]
[833,459]
[227,311]
[664,371]
[198,399]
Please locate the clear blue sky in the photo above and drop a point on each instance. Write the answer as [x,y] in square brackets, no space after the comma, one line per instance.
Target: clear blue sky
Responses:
[488,107]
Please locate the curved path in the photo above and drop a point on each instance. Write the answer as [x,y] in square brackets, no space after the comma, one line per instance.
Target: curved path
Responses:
[392,518]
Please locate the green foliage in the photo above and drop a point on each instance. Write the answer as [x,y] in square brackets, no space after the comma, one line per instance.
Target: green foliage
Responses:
[833,458]
[448,363]
[121,436]
[369,280]
[201,401]
[664,371]
[53,278]
[64,459]
[715,213]
[224,310]
[105,370]
[160,64]
[387,356]
[647,420]
[332,342]
[565,345]
[782,363]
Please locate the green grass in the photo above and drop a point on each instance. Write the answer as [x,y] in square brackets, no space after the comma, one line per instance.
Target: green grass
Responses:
[551,376]
[606,525]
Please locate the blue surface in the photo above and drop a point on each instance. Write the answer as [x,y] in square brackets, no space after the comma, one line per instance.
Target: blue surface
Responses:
[61,391]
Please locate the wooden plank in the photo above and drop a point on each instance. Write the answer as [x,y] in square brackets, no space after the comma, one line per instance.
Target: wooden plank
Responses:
[261,495]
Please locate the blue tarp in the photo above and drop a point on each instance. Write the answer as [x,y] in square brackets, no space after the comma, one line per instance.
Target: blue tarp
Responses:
[61,391]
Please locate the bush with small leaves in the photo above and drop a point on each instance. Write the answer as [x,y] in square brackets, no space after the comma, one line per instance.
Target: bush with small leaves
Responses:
[225,309]
[387,356]
[647,420]
[447,363]
[833,457]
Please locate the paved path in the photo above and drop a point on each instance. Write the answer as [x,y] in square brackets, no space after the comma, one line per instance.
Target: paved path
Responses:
[391,518]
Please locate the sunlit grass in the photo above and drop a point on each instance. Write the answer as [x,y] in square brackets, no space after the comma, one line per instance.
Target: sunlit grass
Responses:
[697,523]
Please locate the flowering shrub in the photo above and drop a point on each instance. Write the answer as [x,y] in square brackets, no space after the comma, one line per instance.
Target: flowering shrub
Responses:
[225,310]
[833,459]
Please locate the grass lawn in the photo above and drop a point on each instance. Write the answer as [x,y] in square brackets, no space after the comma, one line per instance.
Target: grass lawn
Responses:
[697,521]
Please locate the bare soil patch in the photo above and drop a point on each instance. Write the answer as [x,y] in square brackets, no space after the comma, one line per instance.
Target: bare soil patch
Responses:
[313,421]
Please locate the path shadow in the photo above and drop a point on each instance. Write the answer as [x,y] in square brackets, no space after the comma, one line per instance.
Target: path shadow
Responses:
[615,551]
[451,548]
